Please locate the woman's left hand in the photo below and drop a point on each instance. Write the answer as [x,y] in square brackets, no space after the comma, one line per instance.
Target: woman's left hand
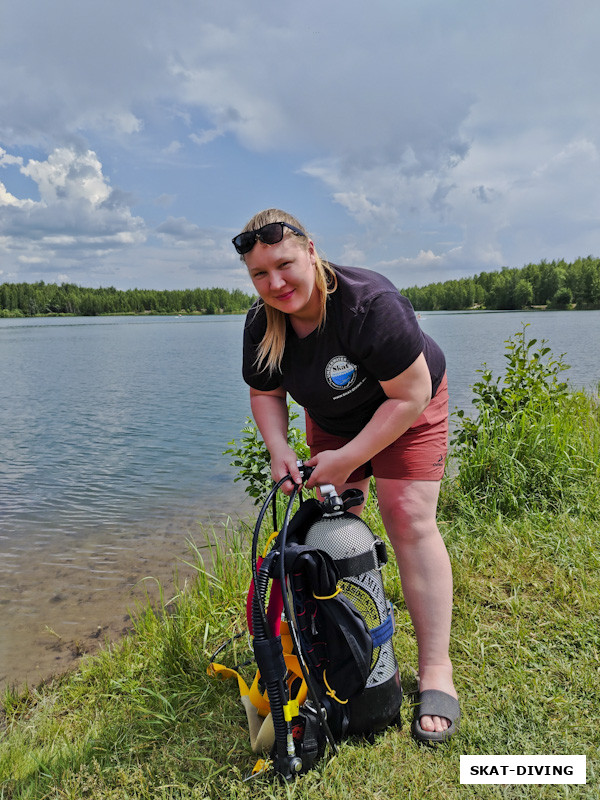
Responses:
[330,466]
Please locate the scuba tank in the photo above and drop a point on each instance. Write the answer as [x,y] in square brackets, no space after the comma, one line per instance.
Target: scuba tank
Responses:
[359,557]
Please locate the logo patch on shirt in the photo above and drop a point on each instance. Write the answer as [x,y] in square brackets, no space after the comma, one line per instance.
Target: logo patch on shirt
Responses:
[340,372]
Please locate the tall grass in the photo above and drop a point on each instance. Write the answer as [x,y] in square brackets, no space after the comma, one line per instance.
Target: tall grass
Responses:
[143,719]
[533,443]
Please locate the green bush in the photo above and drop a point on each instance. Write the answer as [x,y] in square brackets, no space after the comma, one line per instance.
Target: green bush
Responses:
[562,298]
[533,442]
[252,460]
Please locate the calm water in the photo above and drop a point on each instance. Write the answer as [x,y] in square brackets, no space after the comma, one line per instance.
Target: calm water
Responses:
[111,438]
[109,420]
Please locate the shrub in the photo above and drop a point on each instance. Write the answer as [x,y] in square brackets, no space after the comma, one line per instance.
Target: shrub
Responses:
[562,298]
[252,460]
[533,442]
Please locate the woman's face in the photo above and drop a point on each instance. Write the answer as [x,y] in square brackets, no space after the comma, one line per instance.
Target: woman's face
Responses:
[283,274]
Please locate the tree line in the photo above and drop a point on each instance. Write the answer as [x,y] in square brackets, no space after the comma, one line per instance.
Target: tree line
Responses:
[554,284]
[31,299]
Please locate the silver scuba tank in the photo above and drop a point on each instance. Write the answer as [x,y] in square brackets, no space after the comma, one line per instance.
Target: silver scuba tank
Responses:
[359,557]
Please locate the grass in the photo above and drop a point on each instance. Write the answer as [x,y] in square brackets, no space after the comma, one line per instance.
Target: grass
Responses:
[143,719]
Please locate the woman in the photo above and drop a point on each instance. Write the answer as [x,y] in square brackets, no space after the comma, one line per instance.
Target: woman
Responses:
[348,348]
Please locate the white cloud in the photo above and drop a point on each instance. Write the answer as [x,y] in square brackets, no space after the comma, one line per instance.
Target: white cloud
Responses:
[68,176]
[78,212]
[7,199]
[23,259]
[6,159]
[524,203]
[173,148]
[207,136]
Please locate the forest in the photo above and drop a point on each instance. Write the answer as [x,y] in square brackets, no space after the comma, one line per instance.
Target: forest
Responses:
[554,284]
[32,299]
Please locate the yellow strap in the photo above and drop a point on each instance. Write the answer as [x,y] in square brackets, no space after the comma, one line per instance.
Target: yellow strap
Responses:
[219,671]
[328,597]
[274,535]
[260,700]
[331,692]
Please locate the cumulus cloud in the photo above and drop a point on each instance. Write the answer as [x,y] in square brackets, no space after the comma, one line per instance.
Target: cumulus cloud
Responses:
[8,199]
[6,159]
[78,212]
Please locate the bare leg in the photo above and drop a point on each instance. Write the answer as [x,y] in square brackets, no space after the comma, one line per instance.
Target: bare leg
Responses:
[408,511]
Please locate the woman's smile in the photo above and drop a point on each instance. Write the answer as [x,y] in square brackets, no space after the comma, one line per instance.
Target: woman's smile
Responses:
[285,295]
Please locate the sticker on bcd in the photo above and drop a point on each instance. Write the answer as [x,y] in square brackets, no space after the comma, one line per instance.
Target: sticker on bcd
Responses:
[340,372]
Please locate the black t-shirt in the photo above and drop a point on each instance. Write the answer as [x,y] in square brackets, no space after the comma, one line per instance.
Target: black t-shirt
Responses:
[371,334]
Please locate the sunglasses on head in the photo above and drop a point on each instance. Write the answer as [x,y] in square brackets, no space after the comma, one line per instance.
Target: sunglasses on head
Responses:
[268,234]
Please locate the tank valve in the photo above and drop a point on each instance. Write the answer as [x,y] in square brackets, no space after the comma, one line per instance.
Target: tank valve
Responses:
[332,502]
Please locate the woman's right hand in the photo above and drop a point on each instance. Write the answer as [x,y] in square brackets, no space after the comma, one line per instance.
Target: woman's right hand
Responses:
[270,413]
[284,461]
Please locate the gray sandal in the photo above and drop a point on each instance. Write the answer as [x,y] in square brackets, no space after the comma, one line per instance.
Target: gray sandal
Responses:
[434,703]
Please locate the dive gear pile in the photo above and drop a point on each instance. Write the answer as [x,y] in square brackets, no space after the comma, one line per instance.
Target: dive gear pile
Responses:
[322,640]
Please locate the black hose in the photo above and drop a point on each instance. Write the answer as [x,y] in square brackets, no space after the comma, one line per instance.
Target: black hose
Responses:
[267,649]
[282,539]
[260,626]
[255,536]
[269,656]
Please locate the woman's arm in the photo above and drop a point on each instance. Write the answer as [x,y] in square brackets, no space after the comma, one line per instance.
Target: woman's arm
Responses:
[408,395]
[270,413]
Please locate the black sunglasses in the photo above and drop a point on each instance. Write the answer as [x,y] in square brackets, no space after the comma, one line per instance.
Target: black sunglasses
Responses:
[268,234]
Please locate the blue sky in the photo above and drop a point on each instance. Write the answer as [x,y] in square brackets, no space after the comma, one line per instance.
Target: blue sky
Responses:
[425,139]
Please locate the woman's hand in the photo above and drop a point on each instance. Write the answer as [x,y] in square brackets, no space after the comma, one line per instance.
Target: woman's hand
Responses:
[270,413]
[330,466]
[284,461]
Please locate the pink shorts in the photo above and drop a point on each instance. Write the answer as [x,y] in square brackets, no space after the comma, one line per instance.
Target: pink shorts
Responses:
[419,454]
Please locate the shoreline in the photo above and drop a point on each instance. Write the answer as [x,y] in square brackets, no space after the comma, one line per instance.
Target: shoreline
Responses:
[76,621]
[6,314]
[60,607]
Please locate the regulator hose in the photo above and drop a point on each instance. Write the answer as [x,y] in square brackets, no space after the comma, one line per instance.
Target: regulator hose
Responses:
[268,652]
[255,536]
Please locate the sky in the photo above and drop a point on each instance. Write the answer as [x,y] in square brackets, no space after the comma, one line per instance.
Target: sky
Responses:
[426,139]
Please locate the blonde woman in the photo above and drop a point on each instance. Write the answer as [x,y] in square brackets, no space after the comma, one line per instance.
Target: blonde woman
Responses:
[347,347]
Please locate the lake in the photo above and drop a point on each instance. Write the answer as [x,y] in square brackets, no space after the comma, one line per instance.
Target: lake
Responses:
[112,431]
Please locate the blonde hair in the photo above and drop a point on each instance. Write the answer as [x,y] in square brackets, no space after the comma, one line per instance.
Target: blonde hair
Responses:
[272,346]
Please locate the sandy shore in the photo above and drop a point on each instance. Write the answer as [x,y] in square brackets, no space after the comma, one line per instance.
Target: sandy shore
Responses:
[62,605]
